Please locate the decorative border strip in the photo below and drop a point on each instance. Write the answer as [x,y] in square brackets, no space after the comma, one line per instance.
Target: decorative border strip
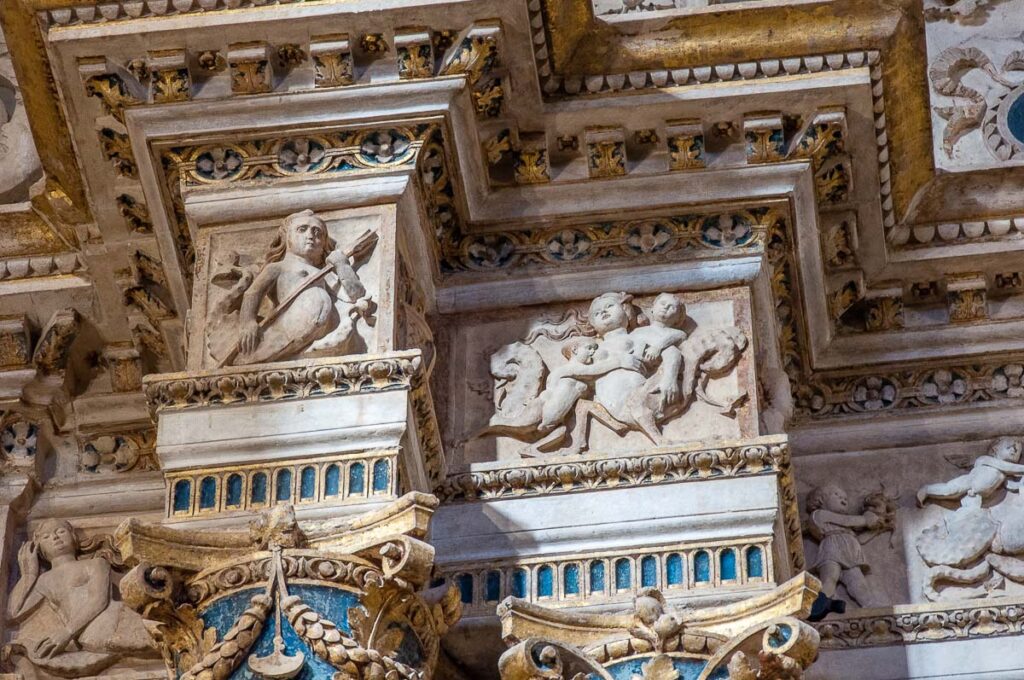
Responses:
[922,235]
[565,475]
[910,624]
[673,570]
[334,480]
[37,266]
[290,380]
[737,232]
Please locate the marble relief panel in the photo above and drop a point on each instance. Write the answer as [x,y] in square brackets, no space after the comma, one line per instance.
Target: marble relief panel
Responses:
[306,285]
[976,77]
[613,373]
[944,526]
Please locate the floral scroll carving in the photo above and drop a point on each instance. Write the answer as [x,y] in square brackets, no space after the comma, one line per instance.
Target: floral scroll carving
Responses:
[632,370]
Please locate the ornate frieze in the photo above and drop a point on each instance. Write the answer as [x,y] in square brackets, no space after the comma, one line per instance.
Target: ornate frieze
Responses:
[909,624]
[604,577]
[284,380]
[595,472]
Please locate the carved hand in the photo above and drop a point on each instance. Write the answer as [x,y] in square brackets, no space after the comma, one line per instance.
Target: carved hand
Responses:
[248,336]
[54,643]
[631,363]
[669,390]
[28,559]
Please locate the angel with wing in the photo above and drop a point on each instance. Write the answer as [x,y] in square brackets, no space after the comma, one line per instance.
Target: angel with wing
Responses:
[984,477]
[316,294]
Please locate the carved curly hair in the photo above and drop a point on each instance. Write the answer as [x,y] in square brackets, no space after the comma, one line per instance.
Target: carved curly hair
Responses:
[279,246]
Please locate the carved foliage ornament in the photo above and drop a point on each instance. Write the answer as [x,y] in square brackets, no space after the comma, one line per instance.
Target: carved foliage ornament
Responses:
[1000,116]
[656,642]
[334,599]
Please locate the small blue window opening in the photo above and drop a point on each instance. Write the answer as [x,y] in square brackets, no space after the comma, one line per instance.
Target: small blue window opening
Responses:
[702,567]
[649,571]
[356,479]
[307,483]
[492,587]
[182,495]
[545,582]
[381,476]
[623,574]
[332,481]
[258,493]
[674,570]
[727,565]
[284,485]
[520,584]
[234,495]
[208,493]
[466,588]
[755,562]
[597,577]
[571,579]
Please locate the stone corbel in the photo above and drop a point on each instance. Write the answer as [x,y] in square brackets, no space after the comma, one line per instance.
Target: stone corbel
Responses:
[252,69]
[332,60]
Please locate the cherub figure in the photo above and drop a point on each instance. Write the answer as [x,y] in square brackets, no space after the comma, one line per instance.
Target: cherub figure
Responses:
[316,292]
[73,627]
[986,476]
[840,557]
[663,339]
[564,387]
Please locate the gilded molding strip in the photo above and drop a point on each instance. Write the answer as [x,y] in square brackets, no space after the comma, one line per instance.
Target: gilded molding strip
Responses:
[594,578]
[910,624]
[288,380]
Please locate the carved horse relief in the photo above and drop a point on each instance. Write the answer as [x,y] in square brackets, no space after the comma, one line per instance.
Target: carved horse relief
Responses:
[629,375]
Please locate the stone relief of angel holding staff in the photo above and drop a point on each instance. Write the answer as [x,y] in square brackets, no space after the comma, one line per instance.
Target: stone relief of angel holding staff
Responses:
[316,294]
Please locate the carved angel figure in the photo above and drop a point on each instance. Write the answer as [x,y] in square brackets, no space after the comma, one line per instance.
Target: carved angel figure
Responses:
[987,474]
[981,541]
[630,377]
[840,534]
[72,626]
[316,295]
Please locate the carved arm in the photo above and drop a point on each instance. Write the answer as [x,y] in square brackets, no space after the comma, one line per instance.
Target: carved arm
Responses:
[24,596]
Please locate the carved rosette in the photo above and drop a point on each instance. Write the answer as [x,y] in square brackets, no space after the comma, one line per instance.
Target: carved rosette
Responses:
[338,599]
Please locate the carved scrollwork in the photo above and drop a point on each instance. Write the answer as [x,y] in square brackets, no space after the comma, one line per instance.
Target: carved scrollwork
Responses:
[308,379]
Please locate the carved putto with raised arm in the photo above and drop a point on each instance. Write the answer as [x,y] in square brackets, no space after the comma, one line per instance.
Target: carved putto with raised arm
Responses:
[70,624]
[305,300]
[632,370]
[979,544]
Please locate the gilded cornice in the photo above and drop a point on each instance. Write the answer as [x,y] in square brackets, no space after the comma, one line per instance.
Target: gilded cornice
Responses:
[65,189]
[580,44]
